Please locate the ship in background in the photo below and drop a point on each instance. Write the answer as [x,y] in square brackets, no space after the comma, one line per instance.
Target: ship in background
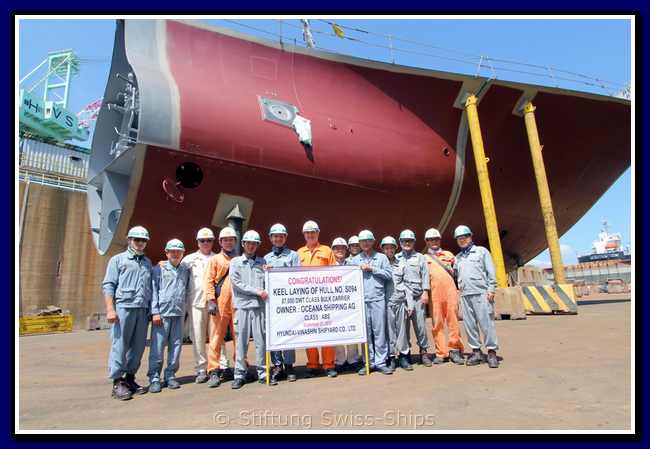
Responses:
[608,268]
[607,247]
[200,123]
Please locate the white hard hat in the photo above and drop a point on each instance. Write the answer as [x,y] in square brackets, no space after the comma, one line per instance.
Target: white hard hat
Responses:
[205,233]
[339,241]
[462,230]
[138,232]
[353,239]
[366,235]
[432,234]
[278,229]
[175,244]
[310,226]
[388,240]
[251,236]
[407,234]
[227,232]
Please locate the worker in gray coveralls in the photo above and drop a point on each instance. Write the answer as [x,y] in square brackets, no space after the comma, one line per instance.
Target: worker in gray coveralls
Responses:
[477,281]
[248,298]
[417,283]
[127,289]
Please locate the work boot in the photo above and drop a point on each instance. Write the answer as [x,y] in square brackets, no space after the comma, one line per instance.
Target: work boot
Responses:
[276,374]
[291,374]
[385,370]
[424,357]
[134,387]
[339,368]
[492,359]
[404,363]
[226,374]
[121,390]
[201,378]
[249,377]
[155,387]
[363,370]
[456,357]
[311,372]
[476,358]
[356,366]
[214,381]
[439,360]
[391,363]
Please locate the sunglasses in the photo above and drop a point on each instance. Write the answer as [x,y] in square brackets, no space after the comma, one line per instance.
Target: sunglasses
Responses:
[139,240]
[407,241]
[462,237]
[205,240]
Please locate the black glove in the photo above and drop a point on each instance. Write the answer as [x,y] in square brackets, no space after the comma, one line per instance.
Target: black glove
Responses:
[212,307]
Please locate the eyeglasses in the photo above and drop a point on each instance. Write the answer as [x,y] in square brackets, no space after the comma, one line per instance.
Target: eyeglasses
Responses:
[462,237]
[139,240]
[432,239]
[407,240]
[205,240]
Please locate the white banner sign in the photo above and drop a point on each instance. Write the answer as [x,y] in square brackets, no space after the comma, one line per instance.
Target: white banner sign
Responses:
[311,307]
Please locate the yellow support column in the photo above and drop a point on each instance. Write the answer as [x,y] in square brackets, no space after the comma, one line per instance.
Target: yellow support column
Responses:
[486,191]
[544,195]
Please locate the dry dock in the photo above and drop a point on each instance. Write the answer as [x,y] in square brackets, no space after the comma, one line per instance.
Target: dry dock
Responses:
[557,373]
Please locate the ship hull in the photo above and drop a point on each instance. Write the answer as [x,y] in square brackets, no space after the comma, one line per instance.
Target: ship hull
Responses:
[616,255]
[212,128]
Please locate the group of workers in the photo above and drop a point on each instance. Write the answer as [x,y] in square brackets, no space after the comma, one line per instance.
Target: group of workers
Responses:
[221,292]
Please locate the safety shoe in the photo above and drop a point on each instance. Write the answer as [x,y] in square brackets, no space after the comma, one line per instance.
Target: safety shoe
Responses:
[121,390]
[311,372]
[391,363]
[201,378]
[155,387]
[226,374]
[134,387]
[291,374]
[237,383]
[385,370]
[439,360]
[363,371]
[276,374]
[214,381]
[456,357]
[404,363]
[356,366]
[339,368]
[424,358]
[331,372]
[476,358]
[172,384]
[248,377]
[492,359]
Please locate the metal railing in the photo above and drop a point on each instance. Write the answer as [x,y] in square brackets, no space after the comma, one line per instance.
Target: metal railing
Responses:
[27,160]
[53,180]
[392,49]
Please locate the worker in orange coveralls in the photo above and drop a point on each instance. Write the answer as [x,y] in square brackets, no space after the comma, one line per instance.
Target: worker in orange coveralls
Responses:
[443,305]
[219,306]
[316,254]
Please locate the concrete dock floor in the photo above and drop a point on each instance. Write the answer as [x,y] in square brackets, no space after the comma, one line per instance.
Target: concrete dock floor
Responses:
[556,373]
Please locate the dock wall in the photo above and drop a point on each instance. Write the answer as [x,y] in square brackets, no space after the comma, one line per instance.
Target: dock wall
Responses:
[58,262]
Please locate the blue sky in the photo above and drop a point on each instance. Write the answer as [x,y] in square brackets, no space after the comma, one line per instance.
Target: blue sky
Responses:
[597,47]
